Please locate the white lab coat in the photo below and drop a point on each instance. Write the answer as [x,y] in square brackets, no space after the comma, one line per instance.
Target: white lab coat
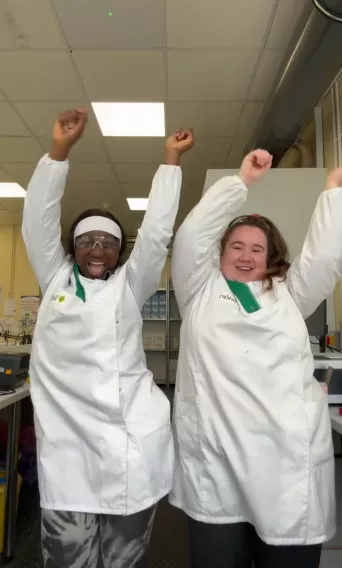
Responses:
[103,426]
[252,427]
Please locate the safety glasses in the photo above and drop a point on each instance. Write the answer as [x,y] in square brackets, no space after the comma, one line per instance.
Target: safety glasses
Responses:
[105,242]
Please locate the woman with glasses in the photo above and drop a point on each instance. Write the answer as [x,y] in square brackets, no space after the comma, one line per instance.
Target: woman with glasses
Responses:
[105,449]
[254,457]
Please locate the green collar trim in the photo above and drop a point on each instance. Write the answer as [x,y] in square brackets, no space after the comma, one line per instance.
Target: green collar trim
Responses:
[245,296]
[80,291]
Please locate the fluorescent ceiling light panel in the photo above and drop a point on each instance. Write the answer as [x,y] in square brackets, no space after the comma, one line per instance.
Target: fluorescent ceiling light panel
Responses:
[11,190]
[137,203]
[130,119]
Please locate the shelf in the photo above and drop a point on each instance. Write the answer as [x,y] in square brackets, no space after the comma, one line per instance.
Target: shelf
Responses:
[175,319]
[154,319]
[161,290]
[154,350]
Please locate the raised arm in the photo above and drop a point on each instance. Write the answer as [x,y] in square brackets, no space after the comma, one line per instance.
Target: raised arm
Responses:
[196,246]
[315,272]
[149,254]
[42,210]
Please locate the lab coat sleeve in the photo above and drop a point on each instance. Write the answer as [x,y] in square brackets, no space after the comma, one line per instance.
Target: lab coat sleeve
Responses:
[41,228]
[198,240]
[315,272]
[148,257]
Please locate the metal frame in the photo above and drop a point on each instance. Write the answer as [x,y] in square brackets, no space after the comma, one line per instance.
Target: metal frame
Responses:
[333,92]
[167,329]
[11,481]
[336,90]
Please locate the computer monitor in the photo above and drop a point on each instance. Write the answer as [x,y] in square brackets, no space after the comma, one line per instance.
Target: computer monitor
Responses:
[317,322]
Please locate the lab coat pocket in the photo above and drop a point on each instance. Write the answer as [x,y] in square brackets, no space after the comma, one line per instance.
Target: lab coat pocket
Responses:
[157,453]
[324,480]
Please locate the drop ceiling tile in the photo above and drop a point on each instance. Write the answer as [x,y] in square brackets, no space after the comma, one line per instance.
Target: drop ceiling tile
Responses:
[122,75]
[12,204]
[102,200]
[267,71]
[70,211]
[11,123]
[217,23]
[85,150]
[4,176]
[39,76]
[41,116]
[20,172]
[194,172]
[94,192]
[287,17]
[25,25]
[210,75]
[206,118]
[136,172]
[112,24]
[136,189]
[249,119]
[82,196]
[72,202]
[20,149]
[237,152]
[86,172]
[136,150]
[207,150]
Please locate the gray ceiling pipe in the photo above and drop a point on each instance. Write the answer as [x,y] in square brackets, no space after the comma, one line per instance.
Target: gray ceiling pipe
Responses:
[311,64]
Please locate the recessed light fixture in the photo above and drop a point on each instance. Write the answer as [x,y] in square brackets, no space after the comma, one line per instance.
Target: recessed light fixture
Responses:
[137,203]
[8,189]
[130,119]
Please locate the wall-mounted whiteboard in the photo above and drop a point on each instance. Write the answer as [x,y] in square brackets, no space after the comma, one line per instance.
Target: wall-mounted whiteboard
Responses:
[286,196]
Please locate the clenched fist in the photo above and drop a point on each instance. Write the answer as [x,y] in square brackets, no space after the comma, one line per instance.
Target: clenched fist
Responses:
[67,129]
[254,166]
[179,142]
[334,179]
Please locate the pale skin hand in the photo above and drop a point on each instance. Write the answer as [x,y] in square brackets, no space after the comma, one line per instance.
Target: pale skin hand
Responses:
[254,166]
[67,129]
[334,179]
[179,142]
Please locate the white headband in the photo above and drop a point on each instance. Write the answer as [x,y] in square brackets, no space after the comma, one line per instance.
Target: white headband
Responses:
[98,224]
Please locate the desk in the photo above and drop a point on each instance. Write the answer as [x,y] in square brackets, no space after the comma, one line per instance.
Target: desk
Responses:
[13,402]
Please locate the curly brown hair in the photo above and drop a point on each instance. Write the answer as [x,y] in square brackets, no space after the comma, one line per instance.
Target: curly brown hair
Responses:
[277,249]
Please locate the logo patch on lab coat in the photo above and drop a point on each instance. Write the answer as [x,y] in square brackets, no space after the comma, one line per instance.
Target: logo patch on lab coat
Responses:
[60,298]
[228,297]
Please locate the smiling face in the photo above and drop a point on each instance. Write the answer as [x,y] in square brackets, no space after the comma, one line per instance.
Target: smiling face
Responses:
[244,257]
[96,252]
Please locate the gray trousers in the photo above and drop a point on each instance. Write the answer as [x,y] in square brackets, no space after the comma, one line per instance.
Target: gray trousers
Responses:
[85,540]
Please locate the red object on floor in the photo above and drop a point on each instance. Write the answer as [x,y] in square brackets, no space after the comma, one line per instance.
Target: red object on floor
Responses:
[340,411]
